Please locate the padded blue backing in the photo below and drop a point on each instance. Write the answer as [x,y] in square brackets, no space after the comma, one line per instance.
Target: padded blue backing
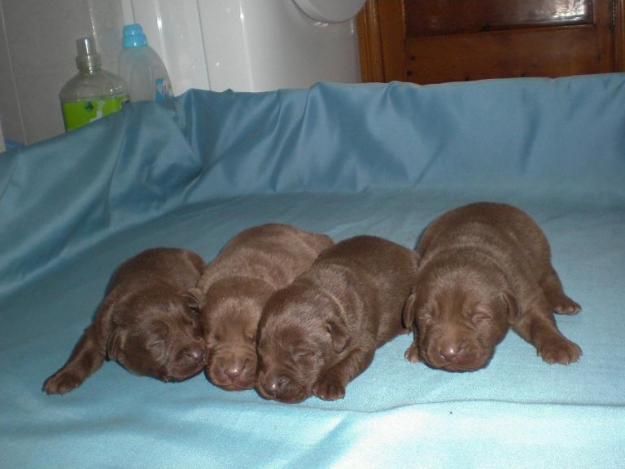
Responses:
[343,160]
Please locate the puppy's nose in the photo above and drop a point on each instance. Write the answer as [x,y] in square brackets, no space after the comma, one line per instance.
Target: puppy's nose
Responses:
[197,354]
[236,368]
[276,384]
[451,351]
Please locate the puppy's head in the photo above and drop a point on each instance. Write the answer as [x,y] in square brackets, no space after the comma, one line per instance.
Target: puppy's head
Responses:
[230,312]
[156,332]
[458,319]
[301,334]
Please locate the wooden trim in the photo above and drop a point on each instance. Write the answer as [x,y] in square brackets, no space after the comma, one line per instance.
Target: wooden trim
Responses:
[538,52]
[619,36]
[392,21]
[382,60]
[370,43]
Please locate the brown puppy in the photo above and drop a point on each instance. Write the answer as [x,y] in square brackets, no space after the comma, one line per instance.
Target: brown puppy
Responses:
[235,287]
[145,322]
[320,332]
[484,268]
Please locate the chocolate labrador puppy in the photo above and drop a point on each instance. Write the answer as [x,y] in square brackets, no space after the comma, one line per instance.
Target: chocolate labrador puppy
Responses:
[235,287]
[146,322]
[320,332]
[485,268]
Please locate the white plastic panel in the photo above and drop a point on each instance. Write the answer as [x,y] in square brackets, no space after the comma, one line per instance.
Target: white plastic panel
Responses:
[245,45]
[227,43]
[174,31]
[330,11]
[275,45]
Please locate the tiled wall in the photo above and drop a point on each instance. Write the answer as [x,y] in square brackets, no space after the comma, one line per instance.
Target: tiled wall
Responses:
[37,52]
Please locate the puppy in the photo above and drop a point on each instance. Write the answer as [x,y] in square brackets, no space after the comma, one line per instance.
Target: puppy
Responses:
[146,322]
[320,332]
[235,287]
[485,268]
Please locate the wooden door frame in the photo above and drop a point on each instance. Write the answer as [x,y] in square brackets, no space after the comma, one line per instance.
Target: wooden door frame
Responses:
[378,18]
[619,46]
[387,17]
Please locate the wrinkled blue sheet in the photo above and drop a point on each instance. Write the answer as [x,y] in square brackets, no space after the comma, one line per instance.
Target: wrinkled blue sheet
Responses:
[343,160]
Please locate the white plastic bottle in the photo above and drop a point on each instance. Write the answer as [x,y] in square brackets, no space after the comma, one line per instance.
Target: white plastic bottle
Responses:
[142,68]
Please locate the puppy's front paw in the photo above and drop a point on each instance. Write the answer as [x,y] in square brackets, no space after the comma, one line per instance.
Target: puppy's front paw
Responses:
[561,351]
[329,388]
[62,382]
[412,354]
[567,306]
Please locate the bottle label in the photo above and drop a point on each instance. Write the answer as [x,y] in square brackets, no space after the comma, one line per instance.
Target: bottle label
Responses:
[162,90]
[77,114]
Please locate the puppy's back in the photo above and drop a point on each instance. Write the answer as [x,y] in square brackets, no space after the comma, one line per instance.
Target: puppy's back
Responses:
[275,253]
[179,268]
[373,254]
[488,226]
[383,272]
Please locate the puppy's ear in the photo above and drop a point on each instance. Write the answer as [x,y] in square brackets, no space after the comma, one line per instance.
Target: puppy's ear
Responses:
[514,313]
[338,333]
[408,313]
[115,343]
[416,260]
[194,298]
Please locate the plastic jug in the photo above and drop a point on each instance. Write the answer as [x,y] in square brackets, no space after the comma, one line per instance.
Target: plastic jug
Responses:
[142,68]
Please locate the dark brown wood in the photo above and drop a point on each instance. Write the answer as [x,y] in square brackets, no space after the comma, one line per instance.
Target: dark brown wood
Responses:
[619,32]
[426,18]
[437,59]
[370,41]
[433,41]
[393,32]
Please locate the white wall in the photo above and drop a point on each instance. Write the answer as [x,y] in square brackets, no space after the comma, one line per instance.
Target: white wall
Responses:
[37,52]
[246,45]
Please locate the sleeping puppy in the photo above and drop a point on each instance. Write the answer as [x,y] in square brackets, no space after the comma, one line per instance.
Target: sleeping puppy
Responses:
[145,322]
[485,268]
[235,287]
[320,332]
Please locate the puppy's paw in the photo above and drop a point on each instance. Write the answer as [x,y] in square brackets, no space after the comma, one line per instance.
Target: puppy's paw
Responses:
[561,351]
[62,382]
[329,388]
[412,354]
[567,306]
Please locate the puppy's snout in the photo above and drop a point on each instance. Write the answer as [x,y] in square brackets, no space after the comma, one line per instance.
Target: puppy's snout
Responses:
[452,350]
[275,385]
[194,353]
[235,368]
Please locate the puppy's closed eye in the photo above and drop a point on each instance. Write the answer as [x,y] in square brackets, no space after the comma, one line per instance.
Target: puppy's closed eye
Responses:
[480,317]
[301,354]
[426,317]
[156,343]
[193,313]
[190,322]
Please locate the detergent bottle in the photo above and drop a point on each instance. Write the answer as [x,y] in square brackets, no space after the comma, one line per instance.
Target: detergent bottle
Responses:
[142,68]
[92,93]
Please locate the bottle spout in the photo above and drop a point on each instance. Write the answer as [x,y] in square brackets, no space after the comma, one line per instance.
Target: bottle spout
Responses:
[88,58]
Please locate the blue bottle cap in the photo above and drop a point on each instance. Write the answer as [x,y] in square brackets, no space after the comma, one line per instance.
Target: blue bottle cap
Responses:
[134,36]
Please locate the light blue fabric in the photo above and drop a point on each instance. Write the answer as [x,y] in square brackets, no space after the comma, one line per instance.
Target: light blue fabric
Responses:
[338,159]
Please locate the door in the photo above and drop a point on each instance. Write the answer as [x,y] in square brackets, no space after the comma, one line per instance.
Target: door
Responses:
[434,41]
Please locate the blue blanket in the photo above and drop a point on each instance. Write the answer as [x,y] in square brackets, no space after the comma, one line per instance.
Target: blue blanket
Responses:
[343,160]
